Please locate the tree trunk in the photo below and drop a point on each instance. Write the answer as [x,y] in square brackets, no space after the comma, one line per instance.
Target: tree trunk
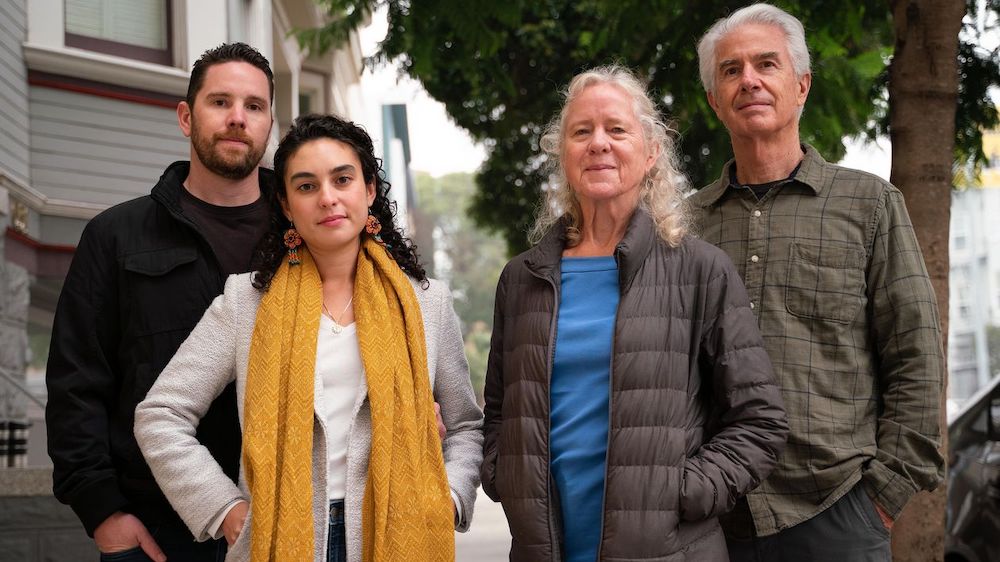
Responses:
[923,91]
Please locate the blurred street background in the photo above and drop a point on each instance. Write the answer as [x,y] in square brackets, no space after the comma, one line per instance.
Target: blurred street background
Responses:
[489,539]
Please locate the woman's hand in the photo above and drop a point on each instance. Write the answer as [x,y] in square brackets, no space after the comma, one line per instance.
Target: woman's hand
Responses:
[233,523]
[442,430]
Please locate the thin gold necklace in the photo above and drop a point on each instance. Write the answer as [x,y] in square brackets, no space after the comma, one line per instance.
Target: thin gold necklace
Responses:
[337,327]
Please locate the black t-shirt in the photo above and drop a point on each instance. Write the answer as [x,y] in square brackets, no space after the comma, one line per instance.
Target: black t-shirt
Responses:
[233,232]
[761,189]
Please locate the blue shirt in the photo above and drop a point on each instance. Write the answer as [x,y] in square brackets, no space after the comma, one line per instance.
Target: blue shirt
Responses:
[580,391]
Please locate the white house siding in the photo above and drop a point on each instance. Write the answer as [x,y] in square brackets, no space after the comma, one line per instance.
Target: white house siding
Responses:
[98,150]
[13,92]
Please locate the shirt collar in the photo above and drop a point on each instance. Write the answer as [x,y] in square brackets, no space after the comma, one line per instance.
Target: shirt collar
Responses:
[810,173]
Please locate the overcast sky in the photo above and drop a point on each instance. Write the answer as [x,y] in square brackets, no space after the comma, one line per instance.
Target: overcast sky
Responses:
[437,146]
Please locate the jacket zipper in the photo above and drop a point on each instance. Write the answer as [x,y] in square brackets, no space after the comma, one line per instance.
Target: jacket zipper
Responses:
[548,418]
[180,217]
[611,393]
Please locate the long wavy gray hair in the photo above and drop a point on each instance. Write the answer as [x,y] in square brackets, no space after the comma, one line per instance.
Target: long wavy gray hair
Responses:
[661,189]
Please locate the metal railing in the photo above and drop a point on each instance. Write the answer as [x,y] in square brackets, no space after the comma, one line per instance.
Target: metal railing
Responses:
[14,433]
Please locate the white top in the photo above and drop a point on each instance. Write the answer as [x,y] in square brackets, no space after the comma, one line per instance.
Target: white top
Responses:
[338,364]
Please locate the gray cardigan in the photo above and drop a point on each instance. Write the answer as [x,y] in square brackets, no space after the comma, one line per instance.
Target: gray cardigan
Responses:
[217,352]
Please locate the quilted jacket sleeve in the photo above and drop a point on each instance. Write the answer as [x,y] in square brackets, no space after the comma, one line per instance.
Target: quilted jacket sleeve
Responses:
[493,395]
[750,428]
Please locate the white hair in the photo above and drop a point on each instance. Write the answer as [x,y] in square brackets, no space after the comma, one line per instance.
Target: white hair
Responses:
[661,188]
[761,14]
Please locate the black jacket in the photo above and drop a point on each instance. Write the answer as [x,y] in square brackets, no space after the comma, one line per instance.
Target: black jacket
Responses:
[140,280]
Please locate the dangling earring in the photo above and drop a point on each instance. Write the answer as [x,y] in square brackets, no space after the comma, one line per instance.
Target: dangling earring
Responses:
[373,226]
[292,242]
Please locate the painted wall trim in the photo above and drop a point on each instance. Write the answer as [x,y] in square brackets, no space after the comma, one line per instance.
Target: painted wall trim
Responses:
[45,205]
[102,90]
[89,65]
[38,258]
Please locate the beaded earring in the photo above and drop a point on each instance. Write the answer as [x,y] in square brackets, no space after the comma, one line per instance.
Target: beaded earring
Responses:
[372,225]
[292,241]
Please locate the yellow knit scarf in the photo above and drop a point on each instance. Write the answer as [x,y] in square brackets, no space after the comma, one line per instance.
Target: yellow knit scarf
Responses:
[407,504]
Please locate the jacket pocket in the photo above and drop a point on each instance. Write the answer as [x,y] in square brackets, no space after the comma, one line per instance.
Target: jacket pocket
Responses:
[825,282]
[163,290]
[159,262]
[864,508]
[239,551]
[488,471]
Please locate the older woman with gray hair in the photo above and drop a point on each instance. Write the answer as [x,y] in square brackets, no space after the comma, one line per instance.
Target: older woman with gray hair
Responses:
[629,400]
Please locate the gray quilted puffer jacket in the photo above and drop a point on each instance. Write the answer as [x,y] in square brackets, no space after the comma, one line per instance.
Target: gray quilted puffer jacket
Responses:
[696,417]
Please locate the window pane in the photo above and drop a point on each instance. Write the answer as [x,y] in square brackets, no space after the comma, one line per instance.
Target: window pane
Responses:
[135,22]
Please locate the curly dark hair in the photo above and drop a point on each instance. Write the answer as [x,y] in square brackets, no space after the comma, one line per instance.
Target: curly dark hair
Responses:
[271,250]
[227,52]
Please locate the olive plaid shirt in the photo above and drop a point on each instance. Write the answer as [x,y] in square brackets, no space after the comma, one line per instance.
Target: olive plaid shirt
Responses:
[850,321]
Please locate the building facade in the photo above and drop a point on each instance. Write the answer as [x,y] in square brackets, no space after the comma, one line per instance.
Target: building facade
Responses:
[88,97]
[974,280]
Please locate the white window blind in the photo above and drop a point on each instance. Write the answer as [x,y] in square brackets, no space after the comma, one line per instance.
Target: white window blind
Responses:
[135,22]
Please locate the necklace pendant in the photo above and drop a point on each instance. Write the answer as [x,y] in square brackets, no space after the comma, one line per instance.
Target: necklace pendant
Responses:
[337,327]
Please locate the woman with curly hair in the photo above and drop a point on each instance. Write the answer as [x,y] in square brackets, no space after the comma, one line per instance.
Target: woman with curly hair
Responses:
[341,349]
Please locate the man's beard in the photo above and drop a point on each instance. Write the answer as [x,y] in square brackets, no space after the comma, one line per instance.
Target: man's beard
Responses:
[230,167]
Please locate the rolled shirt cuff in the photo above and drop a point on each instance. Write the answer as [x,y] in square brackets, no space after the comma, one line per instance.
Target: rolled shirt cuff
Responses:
[214,529]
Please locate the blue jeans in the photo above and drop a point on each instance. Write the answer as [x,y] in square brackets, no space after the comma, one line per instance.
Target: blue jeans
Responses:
[336,544]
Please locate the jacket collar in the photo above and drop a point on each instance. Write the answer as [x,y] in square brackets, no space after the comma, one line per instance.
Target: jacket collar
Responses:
[543,259]
[630,253]
[811,173]
[167,190]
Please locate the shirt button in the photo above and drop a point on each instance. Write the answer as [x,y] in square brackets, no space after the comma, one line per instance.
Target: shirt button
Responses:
[754,258]
[756,213]
[751,306]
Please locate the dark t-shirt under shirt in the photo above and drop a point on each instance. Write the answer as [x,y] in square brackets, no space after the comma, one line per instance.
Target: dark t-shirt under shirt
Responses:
[233,232]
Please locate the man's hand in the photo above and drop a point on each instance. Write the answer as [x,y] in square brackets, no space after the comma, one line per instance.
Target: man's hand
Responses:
[442,430]
[886,519]
[122,531]
[233,523]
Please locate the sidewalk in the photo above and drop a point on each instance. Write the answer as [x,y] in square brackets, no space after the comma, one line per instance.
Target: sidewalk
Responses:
[489,539]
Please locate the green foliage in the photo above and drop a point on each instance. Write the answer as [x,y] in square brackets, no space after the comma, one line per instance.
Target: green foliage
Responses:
[499,68]
[979,70]
[467,257]
[477,351]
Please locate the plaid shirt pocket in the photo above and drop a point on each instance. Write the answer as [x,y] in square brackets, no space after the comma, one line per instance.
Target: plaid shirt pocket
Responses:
[825,282]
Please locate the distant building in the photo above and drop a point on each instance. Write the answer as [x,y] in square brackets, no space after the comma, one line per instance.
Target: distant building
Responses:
[88,93]
[974,282]
[396,161]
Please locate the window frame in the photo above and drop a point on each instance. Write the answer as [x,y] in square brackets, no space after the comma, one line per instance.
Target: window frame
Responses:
[163,56]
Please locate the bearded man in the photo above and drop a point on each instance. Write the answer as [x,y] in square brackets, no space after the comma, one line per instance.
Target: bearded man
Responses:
[142,276]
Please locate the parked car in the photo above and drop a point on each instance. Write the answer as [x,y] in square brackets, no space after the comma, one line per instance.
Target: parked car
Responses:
[973,514]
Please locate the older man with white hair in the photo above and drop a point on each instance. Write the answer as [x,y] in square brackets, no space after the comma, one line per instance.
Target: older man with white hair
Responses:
[842,297]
